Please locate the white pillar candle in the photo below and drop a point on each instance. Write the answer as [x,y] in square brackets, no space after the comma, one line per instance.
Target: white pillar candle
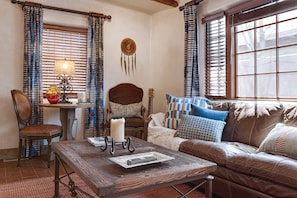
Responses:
[117,129]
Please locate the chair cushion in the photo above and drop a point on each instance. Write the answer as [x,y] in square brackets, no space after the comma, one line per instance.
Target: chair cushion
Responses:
[125,111]
[46,130]
[180,106]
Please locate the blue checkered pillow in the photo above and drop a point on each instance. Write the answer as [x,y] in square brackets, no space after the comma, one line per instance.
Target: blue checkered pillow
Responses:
[196,127]
[180,106]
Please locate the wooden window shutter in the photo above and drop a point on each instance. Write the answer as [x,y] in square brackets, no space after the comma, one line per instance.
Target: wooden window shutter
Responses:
[215,57]
[64,43]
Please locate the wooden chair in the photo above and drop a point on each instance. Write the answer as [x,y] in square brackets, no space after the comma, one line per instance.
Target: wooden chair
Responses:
[128,94]
[23,110]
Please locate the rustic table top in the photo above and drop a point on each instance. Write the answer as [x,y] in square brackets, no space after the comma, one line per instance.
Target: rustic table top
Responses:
[68,105]
[108,179]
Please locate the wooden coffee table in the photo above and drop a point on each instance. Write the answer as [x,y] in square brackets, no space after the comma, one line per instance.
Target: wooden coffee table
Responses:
[108,179]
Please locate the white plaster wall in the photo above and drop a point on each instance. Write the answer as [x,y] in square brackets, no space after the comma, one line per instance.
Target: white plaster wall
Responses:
[11,58]
[167,56]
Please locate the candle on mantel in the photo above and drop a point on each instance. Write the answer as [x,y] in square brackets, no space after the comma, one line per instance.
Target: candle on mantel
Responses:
[117,129]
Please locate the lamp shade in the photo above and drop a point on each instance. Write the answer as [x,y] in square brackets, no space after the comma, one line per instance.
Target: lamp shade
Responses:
[64,67]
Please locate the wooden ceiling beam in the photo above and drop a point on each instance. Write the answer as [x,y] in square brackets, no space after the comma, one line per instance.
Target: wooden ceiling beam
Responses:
[172,3]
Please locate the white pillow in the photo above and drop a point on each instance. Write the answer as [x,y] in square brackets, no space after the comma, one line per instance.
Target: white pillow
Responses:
[281,140]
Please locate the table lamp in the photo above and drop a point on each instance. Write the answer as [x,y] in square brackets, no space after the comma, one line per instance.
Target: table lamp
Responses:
[64,71]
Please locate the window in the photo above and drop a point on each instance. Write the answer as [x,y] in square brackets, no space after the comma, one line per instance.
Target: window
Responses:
[215,71]
[265,54]
[64,43]
[260,50]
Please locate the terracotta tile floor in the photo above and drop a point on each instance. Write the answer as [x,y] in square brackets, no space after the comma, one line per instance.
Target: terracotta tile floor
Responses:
[35,167]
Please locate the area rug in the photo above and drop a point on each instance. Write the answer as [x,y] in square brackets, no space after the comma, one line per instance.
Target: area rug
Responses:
[44,188]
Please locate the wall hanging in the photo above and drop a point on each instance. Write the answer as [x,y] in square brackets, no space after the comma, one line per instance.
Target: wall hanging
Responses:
[128,56]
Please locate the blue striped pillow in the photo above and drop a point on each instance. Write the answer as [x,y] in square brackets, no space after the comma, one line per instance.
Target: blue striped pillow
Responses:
[178,106]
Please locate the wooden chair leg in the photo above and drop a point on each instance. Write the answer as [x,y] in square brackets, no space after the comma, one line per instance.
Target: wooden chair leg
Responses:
[49,140]
[30,148]
[19,151]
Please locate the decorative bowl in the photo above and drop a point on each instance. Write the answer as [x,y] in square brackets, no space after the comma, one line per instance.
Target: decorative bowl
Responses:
[53,94]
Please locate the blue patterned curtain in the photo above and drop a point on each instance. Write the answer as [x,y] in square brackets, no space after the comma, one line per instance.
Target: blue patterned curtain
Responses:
[95,116]
[191,73]
[32,59]
[33,22]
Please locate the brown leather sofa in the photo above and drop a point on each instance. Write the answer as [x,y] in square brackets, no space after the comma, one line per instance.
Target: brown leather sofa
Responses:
[242,171]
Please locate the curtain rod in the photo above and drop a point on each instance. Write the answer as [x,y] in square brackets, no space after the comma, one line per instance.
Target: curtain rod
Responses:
[193,2]
[61,9]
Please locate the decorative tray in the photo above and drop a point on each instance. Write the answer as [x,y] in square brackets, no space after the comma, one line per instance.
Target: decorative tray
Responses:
[140,159]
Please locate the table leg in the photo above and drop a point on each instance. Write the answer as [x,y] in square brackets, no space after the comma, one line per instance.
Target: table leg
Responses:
[57,178]
[67,117]
[208,187]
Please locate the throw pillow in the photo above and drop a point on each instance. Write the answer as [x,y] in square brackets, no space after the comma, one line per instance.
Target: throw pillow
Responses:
[125,111]
[208,113]
[281,140]
[178,106]
[196,127]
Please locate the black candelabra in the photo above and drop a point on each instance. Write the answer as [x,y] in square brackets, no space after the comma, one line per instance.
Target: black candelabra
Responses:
[127,143]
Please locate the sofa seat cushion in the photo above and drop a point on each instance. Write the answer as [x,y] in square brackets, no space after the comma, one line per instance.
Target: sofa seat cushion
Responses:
[216,152]
[235,184]
[275,168]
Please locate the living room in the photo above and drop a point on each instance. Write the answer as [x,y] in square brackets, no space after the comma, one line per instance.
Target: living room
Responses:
[160,47]
[159,37]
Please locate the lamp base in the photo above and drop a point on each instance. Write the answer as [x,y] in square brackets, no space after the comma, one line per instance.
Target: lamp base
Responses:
[64,99]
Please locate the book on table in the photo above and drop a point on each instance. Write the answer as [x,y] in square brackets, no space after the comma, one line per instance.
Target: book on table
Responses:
[96,141]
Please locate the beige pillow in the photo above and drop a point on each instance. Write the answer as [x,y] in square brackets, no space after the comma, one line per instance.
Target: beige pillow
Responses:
[281,140]
[125,111]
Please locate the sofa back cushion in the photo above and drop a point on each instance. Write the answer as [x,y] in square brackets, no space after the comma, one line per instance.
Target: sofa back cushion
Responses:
[249,122]
[290,113]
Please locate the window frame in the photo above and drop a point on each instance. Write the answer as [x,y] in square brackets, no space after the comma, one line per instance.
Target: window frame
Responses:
[245,12]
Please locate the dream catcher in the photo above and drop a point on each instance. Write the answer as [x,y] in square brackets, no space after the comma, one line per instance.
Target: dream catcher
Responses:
[128,56]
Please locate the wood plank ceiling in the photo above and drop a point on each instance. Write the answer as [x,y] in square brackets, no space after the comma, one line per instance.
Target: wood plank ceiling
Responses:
[172,3]
[146,6]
